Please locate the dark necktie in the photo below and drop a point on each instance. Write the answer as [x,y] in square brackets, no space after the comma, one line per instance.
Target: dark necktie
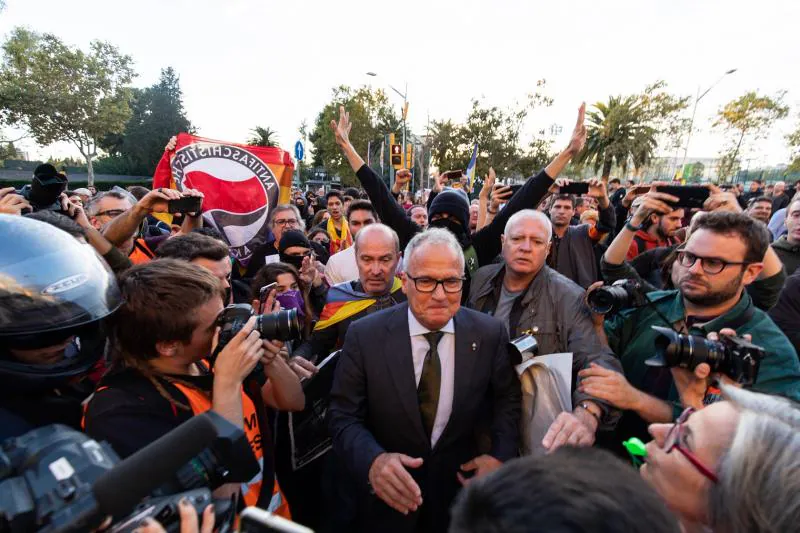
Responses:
[429,382]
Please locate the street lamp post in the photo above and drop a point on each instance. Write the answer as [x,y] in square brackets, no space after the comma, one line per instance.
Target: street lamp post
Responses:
[404,96]
[694,112]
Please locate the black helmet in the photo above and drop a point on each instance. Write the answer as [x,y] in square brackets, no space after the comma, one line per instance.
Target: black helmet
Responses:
[52,286]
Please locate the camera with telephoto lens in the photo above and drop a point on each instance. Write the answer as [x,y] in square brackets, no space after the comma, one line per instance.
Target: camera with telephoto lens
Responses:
[282,325]
[733,356]
[622,294]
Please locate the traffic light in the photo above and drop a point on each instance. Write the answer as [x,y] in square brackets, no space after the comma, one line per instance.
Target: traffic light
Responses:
[409,155]
[397,156]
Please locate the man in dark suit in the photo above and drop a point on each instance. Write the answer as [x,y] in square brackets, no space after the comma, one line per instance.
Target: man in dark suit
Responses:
[414,386]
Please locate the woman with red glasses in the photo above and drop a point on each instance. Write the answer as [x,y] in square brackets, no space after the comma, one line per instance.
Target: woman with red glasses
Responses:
[731,467]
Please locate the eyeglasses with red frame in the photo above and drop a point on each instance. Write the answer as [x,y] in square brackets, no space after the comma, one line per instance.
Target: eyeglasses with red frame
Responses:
[675,441]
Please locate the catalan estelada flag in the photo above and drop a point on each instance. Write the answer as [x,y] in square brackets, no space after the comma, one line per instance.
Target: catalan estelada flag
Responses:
[470,172]
[343,302]
[241,185]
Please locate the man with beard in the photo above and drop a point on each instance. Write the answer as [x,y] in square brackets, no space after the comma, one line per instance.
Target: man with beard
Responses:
[450,209]
[658,230]
[723,255]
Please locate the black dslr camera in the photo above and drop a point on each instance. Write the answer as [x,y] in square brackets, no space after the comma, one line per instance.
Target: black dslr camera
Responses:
[44,191]
[732,356]
[280,326]
[622,294]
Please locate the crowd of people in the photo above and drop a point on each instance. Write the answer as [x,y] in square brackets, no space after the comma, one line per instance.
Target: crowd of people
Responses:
[117,323]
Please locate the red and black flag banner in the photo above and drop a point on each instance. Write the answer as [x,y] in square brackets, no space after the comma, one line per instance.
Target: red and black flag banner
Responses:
[241,185]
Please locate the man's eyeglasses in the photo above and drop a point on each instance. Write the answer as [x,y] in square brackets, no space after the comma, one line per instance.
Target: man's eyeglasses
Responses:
[710,265]
[285,222]
[424,284]
[112,213]
[676,440]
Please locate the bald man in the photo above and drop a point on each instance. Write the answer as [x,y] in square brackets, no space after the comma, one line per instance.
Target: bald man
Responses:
[526,295]
[377,251]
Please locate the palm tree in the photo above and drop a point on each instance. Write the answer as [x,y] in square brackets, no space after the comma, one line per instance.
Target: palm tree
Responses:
[263,137]
[618,136]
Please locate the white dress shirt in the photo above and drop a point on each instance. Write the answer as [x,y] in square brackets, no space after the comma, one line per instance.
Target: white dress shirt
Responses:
[341,267]
[446,351]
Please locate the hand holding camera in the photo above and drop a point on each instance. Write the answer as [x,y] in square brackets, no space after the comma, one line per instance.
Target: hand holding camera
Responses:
[692,385]
[12,203]
[240,355]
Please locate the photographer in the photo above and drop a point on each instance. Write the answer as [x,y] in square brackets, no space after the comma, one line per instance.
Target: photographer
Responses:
[723,255]
[653,268]
[161,340]
[55,291]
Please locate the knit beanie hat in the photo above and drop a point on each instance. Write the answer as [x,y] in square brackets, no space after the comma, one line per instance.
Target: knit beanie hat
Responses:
[454,203]
[293,237]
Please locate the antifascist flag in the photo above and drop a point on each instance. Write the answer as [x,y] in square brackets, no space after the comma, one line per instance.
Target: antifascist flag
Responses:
[241,185]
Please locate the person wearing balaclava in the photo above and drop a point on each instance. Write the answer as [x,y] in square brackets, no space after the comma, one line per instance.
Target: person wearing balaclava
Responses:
[294,249]
[484,246]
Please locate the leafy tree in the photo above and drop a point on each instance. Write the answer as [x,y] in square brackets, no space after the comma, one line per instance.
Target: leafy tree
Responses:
[615,134]
[263,137]
[59,93]
[372,117]
[626,130]
[444,145]
[794,144]
[748,117]
[498,134]
[156,115]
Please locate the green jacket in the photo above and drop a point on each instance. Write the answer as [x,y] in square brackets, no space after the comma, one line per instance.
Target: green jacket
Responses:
[633,340]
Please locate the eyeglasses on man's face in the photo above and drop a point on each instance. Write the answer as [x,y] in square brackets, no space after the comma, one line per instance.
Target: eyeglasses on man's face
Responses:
[283,222]
[426,284]
[710,265]
[111,213]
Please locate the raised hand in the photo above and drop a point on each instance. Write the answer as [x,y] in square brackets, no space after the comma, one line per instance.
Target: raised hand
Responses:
[578,139]
[341,130]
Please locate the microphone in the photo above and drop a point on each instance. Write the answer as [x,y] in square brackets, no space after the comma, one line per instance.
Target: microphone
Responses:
[119,490]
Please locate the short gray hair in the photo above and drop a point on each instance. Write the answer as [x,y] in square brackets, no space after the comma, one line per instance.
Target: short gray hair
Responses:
[91,206]
[381,228]
[280,208]
[432,236]
[759,475]
[530,214]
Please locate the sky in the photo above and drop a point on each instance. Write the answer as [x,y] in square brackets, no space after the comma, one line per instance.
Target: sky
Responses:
[247,63]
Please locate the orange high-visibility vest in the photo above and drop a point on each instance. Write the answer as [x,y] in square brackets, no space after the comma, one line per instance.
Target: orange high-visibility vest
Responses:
[200,403]
[141,252]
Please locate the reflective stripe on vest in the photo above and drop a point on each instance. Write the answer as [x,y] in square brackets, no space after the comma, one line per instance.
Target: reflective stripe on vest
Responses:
[141,252]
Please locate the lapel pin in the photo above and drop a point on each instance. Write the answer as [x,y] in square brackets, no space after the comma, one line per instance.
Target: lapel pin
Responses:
[474,346]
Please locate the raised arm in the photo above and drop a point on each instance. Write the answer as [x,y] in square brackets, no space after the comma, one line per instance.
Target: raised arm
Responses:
[389,211]
[487,241]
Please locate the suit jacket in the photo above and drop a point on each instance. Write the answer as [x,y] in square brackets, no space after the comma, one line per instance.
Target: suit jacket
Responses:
[374,409]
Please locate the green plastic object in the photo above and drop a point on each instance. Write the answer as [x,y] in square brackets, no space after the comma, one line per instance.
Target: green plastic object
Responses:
[635,447]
